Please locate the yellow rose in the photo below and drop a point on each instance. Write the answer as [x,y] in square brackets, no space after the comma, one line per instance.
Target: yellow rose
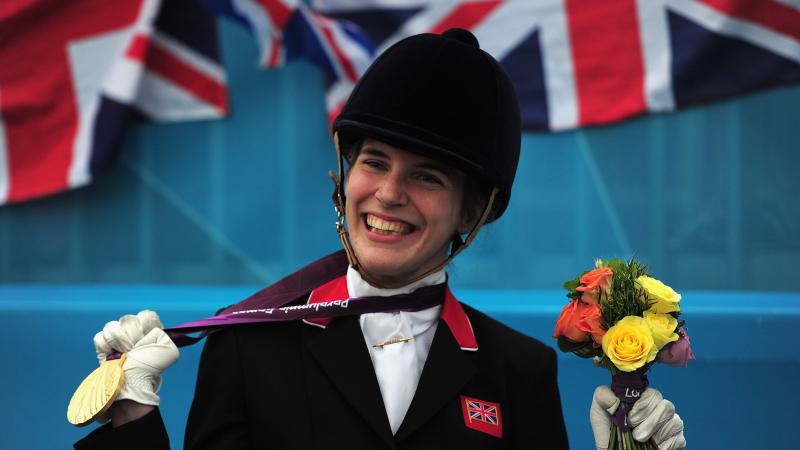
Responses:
[663,328]
[629,344]
[662,298]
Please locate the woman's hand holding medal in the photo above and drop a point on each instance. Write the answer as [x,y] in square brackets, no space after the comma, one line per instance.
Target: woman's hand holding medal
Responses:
[145,351]
[150,351]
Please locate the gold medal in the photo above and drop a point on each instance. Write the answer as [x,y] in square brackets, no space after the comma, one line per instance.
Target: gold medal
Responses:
[97,392]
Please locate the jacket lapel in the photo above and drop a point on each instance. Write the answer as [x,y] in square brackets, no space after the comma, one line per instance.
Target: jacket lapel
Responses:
[446,371]
[341,353]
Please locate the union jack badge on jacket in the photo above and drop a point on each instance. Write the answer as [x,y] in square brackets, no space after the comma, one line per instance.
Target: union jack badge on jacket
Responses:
[482,416]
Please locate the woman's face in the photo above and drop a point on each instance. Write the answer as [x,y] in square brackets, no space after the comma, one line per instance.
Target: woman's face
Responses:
[402,211]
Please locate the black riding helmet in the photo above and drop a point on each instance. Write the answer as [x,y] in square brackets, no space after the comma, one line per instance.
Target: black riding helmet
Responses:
[443,97]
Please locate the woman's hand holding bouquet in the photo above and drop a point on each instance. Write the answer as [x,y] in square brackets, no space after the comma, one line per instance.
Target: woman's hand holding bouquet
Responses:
[626,320]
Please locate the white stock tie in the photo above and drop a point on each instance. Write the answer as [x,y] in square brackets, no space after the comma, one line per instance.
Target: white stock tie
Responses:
[397,366]
[399,382]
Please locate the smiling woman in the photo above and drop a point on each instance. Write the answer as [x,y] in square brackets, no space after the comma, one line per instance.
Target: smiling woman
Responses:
[403,210]
[432,133]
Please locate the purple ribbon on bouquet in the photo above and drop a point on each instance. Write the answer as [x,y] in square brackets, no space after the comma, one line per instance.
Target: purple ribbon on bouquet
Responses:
[628,387]
[270,303]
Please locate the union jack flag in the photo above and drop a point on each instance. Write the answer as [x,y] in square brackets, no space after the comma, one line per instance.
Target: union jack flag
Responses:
[573,62]
[482,416]
[72,72]
[288,30]
[482,412]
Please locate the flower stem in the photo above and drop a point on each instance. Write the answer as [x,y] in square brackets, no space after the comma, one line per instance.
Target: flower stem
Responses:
[612,439]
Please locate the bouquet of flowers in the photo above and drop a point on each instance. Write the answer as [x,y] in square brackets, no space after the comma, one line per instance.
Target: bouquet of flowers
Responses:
[625,320]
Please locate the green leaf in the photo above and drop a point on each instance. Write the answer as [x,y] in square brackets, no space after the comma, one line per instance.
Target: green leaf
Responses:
[615,264]
[582,349]
[565,345]
[587,351]
[572,284]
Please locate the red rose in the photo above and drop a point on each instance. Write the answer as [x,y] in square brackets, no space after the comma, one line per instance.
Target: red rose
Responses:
[590,323]
[593,283]
[567,323]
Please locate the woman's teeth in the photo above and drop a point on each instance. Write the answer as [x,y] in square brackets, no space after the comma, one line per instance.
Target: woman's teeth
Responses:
[382,226]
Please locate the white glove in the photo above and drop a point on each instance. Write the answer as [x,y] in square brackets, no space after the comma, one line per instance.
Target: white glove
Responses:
[149,352]
[651,416]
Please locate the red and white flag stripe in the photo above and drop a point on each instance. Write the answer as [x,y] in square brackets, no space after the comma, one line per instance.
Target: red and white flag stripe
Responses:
[4,177]
[118,56]
[578,39]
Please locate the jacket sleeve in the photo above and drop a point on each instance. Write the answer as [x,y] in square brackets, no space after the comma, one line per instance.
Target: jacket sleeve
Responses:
[147,432]
[540,414]
[218,419]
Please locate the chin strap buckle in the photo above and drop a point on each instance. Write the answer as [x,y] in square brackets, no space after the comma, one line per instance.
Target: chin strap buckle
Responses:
[338,205]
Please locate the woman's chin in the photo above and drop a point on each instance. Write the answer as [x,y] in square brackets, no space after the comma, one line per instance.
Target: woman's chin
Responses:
[383,271]
[387,269]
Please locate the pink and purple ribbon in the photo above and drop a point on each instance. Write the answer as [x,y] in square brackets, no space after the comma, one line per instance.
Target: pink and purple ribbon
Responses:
[271,304]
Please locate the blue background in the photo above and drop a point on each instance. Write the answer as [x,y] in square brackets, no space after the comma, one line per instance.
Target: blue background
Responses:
[198,215]
[739,394]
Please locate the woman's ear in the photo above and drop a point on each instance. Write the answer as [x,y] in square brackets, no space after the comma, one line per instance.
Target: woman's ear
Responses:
[469,220]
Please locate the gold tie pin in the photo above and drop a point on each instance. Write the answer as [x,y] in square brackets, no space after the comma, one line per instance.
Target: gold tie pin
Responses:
[394,340]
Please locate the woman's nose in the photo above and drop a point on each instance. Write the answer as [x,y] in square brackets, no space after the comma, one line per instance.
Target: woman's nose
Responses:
[392,191]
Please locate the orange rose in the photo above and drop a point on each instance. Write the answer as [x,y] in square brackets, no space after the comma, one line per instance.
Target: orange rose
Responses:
[567,323]
[594,282]
[590,323]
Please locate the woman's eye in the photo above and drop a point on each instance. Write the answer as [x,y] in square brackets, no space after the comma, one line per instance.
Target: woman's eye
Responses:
[430,179]
[373,163]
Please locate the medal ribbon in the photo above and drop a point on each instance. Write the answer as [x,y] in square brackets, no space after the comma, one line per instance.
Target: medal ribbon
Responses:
[270,303]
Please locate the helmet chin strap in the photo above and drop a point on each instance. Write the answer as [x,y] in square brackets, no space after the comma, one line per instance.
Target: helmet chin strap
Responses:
[339,201]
